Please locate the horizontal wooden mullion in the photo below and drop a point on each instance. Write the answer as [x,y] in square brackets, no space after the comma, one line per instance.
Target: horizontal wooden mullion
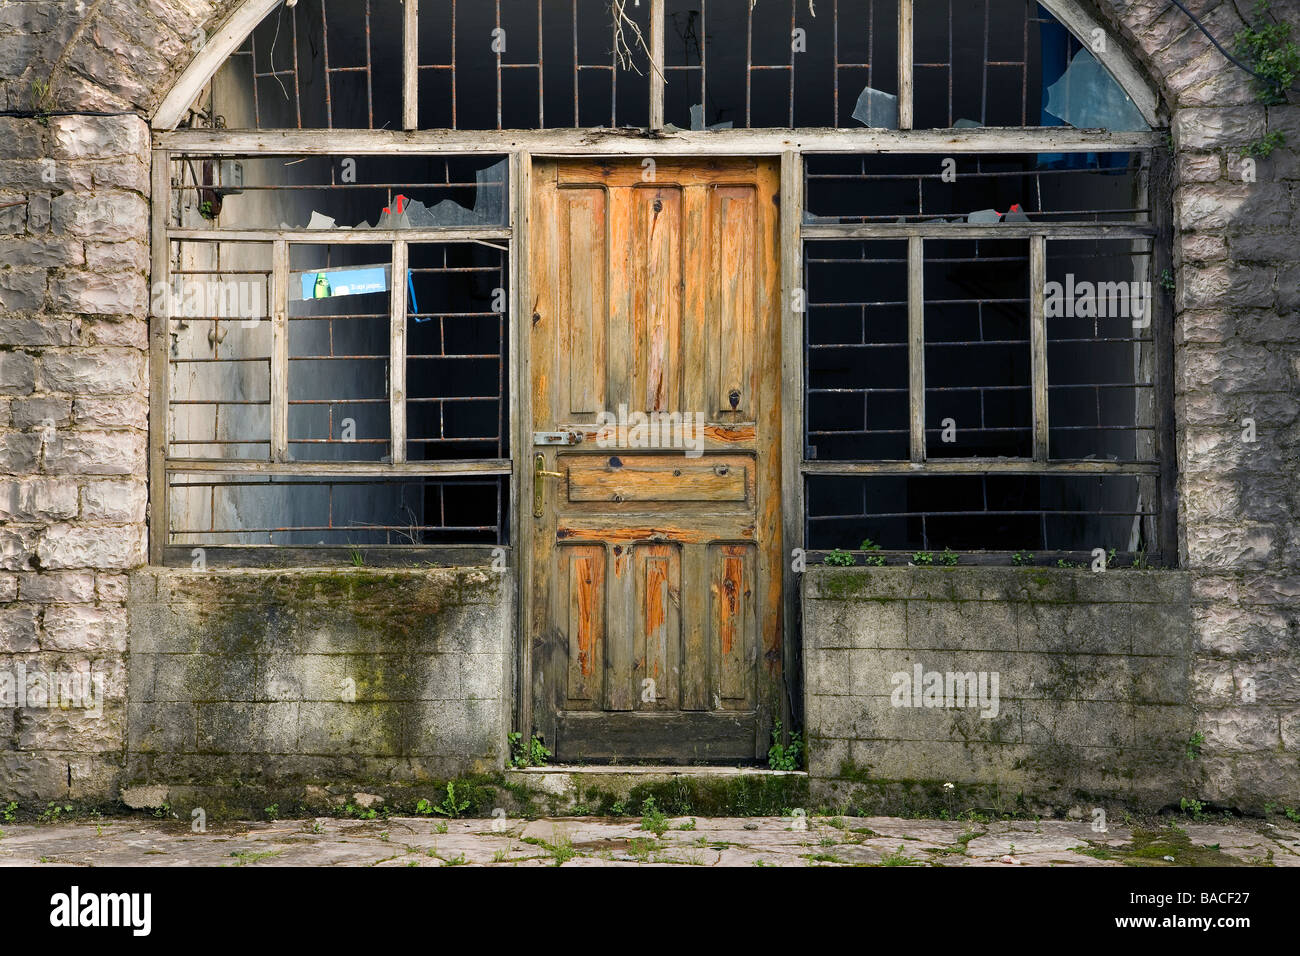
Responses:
[219,557]
[341,236]
[732,142]
[979,466]
[342,469]
[959,230]
[1120,563]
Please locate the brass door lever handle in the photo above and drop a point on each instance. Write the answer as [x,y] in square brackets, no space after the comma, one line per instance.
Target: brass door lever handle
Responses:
[540,472]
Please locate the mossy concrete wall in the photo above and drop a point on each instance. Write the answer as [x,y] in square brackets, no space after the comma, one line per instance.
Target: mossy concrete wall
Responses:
[1094,687]
[299,683]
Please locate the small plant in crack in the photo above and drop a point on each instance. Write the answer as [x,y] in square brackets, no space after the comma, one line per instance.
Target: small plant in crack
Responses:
[872,559]
[782,756]
[898,858]
[43,101]
[1271,53]
[1263,147]
[652,818]
[532,754]
[450,806]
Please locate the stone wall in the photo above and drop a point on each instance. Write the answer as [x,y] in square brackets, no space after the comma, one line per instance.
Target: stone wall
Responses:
[1090,701]
[296,686]
[73,419]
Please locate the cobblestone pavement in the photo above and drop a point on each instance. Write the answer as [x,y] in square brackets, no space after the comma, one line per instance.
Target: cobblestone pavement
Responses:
[588,841]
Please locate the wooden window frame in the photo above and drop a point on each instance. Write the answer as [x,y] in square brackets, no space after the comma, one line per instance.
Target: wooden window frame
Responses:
[162,464]
[1154,196]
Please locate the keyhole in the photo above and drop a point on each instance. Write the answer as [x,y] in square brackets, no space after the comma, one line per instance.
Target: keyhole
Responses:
[734,397]
[659,205]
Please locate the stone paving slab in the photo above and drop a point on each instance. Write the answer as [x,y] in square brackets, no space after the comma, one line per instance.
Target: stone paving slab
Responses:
[688,841]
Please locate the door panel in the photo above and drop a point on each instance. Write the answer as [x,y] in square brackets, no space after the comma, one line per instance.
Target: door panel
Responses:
[656,547]
[625,478]
[582,220]
[584,568]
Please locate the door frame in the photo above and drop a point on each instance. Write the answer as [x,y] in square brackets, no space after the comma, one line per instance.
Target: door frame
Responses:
[522,302]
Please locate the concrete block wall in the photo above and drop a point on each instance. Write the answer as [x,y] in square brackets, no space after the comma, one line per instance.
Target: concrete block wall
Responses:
[291,684]
[1091,701]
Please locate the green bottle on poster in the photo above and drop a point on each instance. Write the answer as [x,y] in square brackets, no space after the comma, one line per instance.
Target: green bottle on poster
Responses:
[322,290]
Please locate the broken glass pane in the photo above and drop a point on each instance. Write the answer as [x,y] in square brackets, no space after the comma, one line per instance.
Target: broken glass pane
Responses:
[877,109]
[1087,97]
[697,120]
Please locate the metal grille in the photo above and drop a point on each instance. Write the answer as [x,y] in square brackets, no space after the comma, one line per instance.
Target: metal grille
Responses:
[338,393]
[1101,349]
[503,65]
[456,352]
[773,64]
[284,392]
[999,85]
[985,382]
[301,510]
[856,350]
[350,192]
[977,349]
[537,64]
[219,349]
[998,513]
[312,66]
[1047,188]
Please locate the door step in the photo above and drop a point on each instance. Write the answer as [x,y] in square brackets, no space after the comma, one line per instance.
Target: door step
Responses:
[679,791]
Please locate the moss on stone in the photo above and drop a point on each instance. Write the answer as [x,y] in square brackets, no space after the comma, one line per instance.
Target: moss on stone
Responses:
[1165,846]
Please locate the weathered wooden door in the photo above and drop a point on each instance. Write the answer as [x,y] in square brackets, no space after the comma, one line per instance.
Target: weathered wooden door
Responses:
[656,585]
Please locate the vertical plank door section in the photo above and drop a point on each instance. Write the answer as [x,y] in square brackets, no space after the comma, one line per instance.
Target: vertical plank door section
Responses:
[654,356]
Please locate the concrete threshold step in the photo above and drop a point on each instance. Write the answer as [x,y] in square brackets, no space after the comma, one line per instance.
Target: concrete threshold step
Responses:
[682,770]
[603,789]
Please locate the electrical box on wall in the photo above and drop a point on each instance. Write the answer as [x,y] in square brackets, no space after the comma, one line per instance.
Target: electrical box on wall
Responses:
[231,179]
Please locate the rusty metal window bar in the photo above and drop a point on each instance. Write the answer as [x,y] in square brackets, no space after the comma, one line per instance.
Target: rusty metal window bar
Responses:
[766,65]
[1065,188]
[312,65]
[244,193]
[304,511]
[338,373]
[966,347]
[1007,35]
[442,64]
[1054,517]
[541,65]
[219,350]
[456,404]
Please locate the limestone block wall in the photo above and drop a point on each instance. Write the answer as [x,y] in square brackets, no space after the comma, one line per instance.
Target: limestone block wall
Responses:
[295,685]
[73,420]
[1074,687]
[1237,340]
